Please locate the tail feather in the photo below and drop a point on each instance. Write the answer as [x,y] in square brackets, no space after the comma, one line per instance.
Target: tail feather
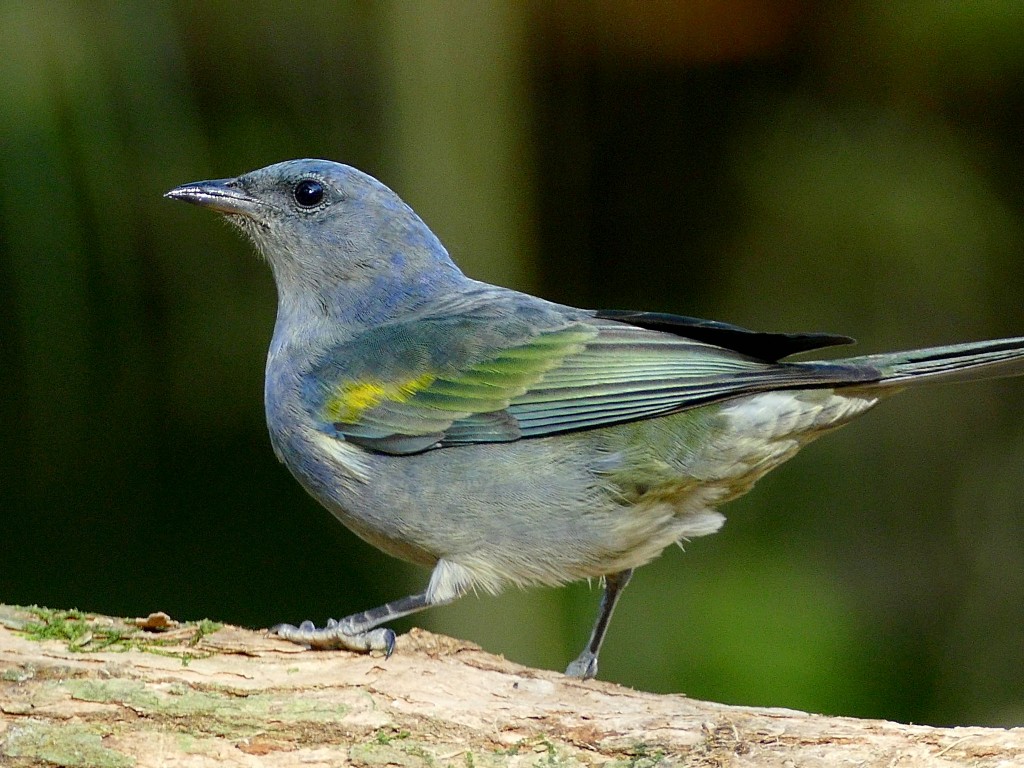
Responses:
[970,361]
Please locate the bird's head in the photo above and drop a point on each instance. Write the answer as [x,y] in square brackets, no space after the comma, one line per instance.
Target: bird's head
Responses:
[325,227]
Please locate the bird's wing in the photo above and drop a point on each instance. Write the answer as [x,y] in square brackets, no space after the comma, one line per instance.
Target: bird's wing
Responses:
[433,382]
[769,347]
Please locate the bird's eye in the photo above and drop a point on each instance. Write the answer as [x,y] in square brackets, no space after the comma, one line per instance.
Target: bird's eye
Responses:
[308,193]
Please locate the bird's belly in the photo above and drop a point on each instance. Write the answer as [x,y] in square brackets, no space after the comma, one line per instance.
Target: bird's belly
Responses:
[578,505]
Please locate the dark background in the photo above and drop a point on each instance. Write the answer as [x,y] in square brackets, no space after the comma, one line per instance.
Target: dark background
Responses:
[849,166]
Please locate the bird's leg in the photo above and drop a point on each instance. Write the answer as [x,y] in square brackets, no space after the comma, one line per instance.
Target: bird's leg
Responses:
[361,631]
[357,632]
[585,665]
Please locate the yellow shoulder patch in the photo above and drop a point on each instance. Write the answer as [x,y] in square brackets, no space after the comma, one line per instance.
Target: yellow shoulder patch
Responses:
[356,397]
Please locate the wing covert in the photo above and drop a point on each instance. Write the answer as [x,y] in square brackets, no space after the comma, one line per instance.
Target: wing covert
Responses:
[403,389]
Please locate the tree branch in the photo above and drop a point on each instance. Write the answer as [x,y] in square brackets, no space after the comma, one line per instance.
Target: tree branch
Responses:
[85,690]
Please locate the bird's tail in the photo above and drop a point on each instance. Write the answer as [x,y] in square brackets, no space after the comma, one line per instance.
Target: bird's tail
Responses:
[957,362]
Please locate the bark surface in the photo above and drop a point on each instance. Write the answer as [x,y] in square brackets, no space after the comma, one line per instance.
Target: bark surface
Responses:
[86,690]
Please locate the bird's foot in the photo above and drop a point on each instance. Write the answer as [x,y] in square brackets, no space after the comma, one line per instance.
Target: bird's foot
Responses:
[584,667]
[338,635]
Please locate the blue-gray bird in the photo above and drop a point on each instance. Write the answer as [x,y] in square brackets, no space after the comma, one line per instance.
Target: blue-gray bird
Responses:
[499,438]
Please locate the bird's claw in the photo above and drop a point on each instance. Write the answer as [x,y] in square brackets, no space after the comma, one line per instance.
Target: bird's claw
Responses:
[389,643]
[334,636]
[584,667]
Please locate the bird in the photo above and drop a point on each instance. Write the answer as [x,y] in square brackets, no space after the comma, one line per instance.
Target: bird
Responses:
[501,439]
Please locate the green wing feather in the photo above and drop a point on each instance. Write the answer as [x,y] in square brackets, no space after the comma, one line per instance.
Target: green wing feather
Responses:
[407,388]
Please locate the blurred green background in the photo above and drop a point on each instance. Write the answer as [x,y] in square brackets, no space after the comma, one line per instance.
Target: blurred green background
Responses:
[839,166]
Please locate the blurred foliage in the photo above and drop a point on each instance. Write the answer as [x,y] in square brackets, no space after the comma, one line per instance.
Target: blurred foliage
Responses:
[791,165]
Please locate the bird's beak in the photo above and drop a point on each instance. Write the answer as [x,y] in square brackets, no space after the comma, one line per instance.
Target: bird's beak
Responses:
[221,195]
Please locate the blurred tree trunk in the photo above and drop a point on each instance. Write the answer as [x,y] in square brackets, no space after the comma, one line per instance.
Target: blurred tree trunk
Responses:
[457,129]
[103,692]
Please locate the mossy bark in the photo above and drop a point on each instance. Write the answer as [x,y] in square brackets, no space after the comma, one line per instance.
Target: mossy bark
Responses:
[84,690]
